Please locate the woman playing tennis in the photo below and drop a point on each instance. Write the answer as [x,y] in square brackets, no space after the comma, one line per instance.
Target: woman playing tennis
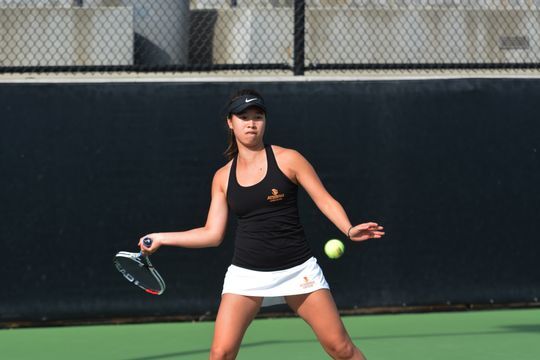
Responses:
[272,261]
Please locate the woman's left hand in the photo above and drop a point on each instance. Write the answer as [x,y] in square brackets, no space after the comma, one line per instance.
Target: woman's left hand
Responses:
[366,231]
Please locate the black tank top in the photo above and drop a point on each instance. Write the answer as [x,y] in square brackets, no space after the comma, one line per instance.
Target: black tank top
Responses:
[269,235]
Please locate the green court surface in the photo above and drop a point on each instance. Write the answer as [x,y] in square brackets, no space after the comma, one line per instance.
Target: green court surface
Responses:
[475,335]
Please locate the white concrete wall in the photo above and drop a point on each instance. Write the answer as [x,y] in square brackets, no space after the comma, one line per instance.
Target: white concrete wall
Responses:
[378,35]
[36,3]
[94,35]
[256,36]
[165,23]
[61,36]
[419,36]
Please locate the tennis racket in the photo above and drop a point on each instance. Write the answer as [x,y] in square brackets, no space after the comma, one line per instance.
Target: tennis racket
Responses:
[138,270]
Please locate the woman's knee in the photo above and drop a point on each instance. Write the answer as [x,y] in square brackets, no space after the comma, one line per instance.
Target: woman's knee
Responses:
[342,349]
[222,353]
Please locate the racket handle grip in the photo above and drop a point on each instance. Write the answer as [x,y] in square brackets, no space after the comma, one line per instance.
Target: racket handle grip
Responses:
[147,242]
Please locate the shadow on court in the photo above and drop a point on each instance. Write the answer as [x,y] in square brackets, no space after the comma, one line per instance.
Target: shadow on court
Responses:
[206,351]
[524,328]
[507,329]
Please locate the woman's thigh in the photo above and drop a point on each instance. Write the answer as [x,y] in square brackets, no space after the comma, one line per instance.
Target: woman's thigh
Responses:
[235,314]
[319,310]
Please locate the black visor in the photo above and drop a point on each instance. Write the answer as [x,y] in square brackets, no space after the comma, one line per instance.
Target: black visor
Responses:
[245,101]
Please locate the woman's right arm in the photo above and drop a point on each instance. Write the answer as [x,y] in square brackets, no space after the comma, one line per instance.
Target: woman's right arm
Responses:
[211,234]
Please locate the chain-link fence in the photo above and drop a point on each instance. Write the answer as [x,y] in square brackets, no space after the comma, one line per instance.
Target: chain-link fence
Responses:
[295,36]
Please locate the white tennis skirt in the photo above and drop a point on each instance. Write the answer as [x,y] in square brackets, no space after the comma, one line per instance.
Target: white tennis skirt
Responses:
[274,285]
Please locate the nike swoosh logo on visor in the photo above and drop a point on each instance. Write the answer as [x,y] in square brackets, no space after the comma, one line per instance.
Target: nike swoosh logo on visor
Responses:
[250,100]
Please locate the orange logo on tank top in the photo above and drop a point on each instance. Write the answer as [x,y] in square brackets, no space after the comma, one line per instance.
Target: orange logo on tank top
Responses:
[307,283]
[276,196]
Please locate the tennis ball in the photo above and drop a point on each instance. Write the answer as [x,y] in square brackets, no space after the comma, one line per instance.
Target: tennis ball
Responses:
[334,248]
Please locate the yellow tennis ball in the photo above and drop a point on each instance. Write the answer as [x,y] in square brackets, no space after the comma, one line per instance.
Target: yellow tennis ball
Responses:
[334,248]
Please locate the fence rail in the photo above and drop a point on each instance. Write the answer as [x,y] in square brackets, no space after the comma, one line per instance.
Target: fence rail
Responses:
[267,35]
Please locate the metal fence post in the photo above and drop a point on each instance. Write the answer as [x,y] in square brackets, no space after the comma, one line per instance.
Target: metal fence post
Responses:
[299,36]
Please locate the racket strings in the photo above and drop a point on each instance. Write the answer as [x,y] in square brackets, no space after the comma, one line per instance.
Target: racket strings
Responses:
[139,270]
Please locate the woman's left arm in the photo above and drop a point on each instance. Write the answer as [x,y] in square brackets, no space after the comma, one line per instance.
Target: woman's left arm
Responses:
[306,176]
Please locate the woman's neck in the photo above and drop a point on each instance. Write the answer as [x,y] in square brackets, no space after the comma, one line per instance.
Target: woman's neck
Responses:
[249,154]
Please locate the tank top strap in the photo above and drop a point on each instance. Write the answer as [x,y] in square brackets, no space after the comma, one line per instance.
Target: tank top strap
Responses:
[270,158]
[232,173]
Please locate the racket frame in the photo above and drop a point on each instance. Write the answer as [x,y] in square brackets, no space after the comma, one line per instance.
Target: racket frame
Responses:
[142,261]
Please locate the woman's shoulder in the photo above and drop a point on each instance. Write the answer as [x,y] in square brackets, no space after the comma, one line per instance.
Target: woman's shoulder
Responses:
[224,170]
[286,154]
[288,160]
[222,174]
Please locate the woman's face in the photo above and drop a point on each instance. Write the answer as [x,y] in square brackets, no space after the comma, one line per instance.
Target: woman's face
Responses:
[248,126]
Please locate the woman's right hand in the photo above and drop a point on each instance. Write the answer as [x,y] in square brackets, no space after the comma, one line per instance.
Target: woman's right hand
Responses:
[156,243]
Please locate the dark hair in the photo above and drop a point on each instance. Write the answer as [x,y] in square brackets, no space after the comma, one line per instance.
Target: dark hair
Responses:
[232,146]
